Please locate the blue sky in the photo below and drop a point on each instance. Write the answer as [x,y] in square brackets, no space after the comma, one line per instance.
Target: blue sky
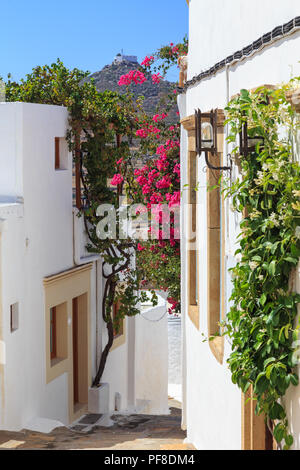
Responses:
[86,34]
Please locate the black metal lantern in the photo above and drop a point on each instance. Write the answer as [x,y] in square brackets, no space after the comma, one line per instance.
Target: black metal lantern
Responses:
[206,131]
[247,143]
[206,136]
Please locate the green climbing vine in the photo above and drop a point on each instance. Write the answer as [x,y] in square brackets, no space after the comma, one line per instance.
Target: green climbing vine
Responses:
[261,323]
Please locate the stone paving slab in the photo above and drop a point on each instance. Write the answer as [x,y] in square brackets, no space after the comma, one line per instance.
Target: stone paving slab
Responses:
[129,432]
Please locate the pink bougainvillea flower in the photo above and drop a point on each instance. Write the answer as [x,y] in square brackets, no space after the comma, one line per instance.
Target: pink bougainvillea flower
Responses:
[117,179]
[164,183]
[159,117]
[120,161]
[133,76]
[141,180]
[157,78]
[140,247]
[143,133]
[146,189]
[174,200]
[177,169]
[147,61]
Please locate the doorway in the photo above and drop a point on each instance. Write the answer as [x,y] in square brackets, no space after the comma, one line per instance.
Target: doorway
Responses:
[80,351]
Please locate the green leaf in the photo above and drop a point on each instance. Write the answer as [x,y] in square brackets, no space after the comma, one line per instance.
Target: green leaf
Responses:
[295,251]
[263,299]
[276,411]
[289,440]
[269,370]
[294,379]
[261,383]
[269,360]
[279,432]
[294,261]
[272,268]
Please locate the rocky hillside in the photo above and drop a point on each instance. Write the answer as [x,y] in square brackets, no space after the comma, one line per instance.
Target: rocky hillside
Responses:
[108,77]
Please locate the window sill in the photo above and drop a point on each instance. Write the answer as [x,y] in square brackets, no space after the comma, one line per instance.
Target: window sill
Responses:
[217,348]
[193,312]
[57,360]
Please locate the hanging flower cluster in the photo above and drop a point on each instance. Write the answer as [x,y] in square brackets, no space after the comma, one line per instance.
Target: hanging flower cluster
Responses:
[148,61]
[117,179]
[160,117]
[146,130]
[135,76]
[157,78]
[156,186]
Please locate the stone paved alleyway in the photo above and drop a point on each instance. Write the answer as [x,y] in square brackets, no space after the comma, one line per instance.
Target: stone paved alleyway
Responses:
[132,432]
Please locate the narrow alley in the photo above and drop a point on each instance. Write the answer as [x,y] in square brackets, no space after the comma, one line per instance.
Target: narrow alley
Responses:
[129,432]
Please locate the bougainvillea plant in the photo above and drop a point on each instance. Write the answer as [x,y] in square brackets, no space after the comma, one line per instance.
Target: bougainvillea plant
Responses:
[261,323]
[96,120]
[101,127]
[156,183]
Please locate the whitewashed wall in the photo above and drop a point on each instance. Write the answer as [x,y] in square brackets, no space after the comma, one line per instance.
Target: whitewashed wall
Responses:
[116,370]
[35,245]
[212,404]
[151,363]
[219,28]
[36,241]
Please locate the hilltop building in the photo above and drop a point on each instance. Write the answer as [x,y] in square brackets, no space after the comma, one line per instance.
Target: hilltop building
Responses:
[128,58]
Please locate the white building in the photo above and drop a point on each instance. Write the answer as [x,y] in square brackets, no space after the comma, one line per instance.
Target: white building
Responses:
[220,64]
[51,327]
[128,58]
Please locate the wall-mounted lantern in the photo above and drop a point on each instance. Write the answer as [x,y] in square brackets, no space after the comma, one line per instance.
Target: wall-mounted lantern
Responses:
[206,136]
[247,143]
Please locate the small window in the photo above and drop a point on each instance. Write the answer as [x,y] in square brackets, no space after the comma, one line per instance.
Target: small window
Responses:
[58,333]
[14,317]
[57,154]
[61,153]
[53,350]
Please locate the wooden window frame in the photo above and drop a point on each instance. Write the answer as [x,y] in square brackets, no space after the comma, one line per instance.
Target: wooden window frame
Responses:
[217,344]
[215,248]
[57,163]
[192,255]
